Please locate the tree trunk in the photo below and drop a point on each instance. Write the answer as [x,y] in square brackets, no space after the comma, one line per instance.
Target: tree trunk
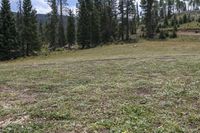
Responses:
[149,19]
[127,20]
[122,19]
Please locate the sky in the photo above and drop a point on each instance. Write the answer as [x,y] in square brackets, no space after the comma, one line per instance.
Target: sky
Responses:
[40,5]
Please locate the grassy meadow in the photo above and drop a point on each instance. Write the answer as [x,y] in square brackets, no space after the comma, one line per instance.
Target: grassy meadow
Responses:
[145,87]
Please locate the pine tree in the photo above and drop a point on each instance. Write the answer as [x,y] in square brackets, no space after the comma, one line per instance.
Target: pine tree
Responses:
[155,15]
[108,25]
[84,24]
[162,8]
[166,23]
[53,25]
[95,24]
[137,14]
[114,21]
[147,6]
[61,33]
[174,21]
[8,43]
[30,37]
[71,29]
[194,3]
[135,18]
[46,33]
[127,19]
[162,35]
[19,28]
[170,4]
[130,11]
[121,11]
[185,18]
[180,6]
[105,22]
[41,32]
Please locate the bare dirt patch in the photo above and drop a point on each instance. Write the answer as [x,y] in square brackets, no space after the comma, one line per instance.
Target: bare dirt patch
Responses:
[11,120]
[166,58]
[23,96]
[144,91]
[4,89]
[10,100]
[189,33]
[26,97]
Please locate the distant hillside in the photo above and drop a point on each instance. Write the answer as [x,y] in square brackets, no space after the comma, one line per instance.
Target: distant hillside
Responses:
[44,18]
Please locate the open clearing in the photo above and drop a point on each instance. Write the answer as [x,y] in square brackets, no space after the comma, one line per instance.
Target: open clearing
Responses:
[150,86]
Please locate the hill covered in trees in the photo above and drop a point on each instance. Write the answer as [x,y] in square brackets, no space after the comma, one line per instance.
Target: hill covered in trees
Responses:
[95,22]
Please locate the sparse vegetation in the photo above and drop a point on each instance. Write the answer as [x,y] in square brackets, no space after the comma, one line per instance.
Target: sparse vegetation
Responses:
[191,25]
[151,86]
[118,66]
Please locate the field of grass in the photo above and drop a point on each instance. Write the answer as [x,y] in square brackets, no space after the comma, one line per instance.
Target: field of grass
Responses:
[150,86]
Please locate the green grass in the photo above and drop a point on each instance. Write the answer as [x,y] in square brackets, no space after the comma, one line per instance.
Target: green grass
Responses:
[186,27]
[190,26]
[150,86]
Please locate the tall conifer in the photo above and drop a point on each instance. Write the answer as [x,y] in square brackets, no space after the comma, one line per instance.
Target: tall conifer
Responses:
[30,37]
[71,29]
[52,26]
[8,43]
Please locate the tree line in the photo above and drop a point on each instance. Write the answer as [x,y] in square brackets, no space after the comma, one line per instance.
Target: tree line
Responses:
[18,37]
[95,22]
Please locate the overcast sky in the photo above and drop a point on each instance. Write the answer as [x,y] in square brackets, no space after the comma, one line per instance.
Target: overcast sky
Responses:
[40,5]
